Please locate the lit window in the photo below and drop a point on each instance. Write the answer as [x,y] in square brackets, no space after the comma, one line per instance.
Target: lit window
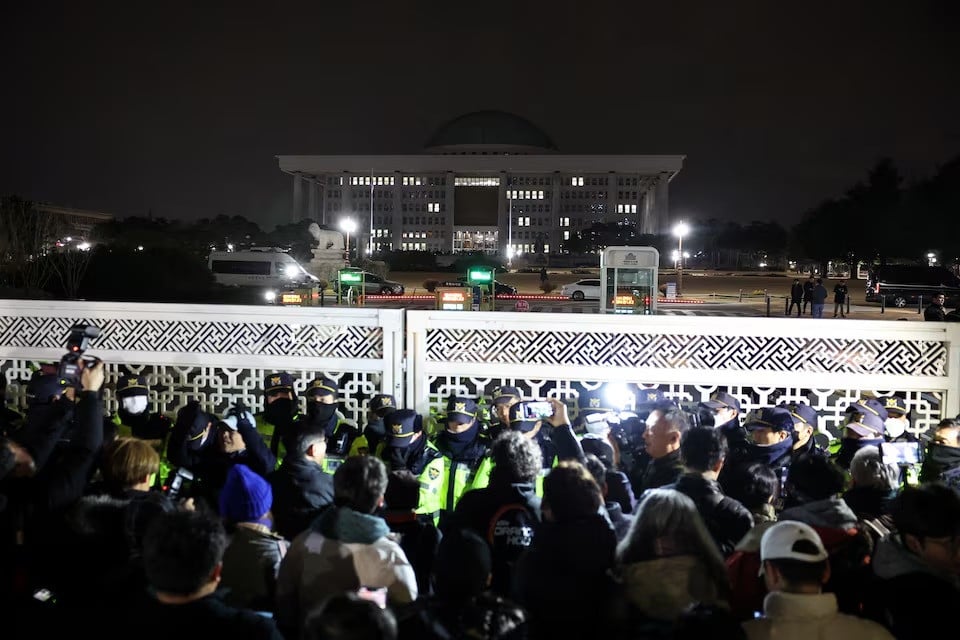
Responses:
[564,222]
[539,195]
[576,182]
[467,181]
[566,235]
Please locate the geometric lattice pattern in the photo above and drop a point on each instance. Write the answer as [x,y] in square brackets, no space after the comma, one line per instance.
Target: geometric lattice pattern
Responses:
[186,336]
[740,353]
[171,387]
[925,407]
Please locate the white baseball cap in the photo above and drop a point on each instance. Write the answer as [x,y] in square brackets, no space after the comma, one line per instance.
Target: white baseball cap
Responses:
[778,543]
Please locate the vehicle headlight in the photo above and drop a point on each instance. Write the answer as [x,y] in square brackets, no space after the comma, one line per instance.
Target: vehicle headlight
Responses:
[291,271]
[270,296]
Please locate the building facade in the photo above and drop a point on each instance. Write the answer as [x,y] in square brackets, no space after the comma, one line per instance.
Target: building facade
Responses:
[487,181]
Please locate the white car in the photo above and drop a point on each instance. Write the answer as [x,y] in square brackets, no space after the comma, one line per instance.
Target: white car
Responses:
[588,289]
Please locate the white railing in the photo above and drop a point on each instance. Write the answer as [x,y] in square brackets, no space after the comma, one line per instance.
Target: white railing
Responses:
[760,360]
[217,354]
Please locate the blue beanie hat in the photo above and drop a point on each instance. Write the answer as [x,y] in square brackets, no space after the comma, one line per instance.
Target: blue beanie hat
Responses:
[245,497]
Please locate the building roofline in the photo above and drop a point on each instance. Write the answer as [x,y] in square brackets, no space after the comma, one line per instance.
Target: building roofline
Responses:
[75,213]
[480,164]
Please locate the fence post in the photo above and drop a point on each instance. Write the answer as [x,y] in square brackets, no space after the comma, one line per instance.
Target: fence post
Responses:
[768,306]
[920,304]
[848,304]
[786,306]
[740,296]
[883,302]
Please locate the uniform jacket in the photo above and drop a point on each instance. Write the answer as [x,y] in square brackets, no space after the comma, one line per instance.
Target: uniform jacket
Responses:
[790,616]
[463,469]
[727,520]
[301,491]
[342,551]
[250,565]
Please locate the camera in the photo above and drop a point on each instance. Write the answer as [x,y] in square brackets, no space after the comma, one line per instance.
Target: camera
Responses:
[535,409]
[77,343]
[178,482]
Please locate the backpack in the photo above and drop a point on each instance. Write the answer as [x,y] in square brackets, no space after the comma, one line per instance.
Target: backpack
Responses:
[509,533]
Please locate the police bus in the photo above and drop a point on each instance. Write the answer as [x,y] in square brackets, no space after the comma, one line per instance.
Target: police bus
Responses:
[268,267]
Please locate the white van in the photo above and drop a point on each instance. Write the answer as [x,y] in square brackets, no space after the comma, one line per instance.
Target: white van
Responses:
[258,267]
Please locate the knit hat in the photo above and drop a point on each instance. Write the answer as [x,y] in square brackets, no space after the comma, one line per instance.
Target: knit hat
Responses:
[245,497]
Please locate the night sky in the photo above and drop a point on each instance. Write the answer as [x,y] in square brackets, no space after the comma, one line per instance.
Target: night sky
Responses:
[130,107]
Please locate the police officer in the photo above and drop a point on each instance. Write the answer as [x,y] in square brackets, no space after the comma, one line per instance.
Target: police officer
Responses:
[343,437]
[503,398]
[381,405]
[897,422]
[805,430]
[722,410]
[406,446]
[132,418]
[863,427]
[464,447]
[279,410]
[589,403]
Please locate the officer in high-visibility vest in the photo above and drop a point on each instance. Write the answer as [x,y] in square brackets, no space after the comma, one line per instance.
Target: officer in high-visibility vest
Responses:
[406,446]
[466,464]
[279,410]
[343,437]
[132,418]
[380,406]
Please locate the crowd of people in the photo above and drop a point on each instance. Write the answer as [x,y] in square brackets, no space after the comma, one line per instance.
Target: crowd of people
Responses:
[500,518]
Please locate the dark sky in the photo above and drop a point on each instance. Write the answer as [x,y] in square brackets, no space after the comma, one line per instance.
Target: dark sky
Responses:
[126,107]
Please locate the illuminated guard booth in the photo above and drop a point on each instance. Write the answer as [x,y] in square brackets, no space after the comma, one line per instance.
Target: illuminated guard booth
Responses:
[628,280]
[454,299]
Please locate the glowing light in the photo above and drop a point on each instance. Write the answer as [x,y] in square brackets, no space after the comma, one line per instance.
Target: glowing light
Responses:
[139,247]
[618,395]
[681,229]
[84,246]
[270,296]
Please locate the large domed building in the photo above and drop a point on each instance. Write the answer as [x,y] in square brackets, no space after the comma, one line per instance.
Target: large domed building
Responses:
[486,181]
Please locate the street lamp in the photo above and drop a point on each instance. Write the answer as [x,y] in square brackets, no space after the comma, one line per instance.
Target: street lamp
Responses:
[931,259]
[680,230]
[348,226]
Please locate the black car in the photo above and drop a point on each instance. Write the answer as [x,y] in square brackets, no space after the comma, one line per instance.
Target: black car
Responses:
[501,288]
[902,285]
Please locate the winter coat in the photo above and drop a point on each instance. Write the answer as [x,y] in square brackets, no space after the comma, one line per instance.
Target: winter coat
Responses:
[486,617]
[301,491]
[869,502]
[664,587]
[727,520]
[913,598]
[342,551]
[792,616]
[621,522]
[250,565]
[831,513]
[658,472]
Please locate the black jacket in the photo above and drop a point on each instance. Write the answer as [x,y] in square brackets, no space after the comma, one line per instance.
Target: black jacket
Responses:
[621,522]
[505,516]
[935,312]
[659,472]
[939,458]
[485,617]
[727,520]
[420,541]
[796,292]
[869,502]
[301,491]
[808,290]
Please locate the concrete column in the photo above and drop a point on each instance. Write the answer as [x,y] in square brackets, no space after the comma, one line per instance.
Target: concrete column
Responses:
[556,231]
[449,199]
[612,200]
[503,215]
[296,213]
[647,207]
[662,204]
[312,189]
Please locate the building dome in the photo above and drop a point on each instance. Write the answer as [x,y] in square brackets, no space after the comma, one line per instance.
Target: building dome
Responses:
[489,132]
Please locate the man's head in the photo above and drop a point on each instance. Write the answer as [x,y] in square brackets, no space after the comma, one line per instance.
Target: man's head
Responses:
[183,553]
[724,407]
[229,437]
[754,485]
[703,450]
[129,462]
[819,280]
[666,425]
[599,472]
[382,404]
[461,414]
[44,388]
[310,443]
[516,459]
[939,298]
[323,390]
[868,470]
[278,385]
[464,567]
[927,518]
[769,426]
[348,616]
[359,484]
[814,477]
[947,433]
[592,402]
[805,422]
[570,494]
[503,398]
[793,558]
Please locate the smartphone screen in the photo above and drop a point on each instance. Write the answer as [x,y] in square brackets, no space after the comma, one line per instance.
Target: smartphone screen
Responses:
[537,409]
[900,452]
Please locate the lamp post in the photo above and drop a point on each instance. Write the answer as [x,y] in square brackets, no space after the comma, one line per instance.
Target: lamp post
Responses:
[348,226]
[510,232]
[680,230]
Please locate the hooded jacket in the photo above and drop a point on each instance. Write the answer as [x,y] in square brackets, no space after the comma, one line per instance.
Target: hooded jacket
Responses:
[832,513]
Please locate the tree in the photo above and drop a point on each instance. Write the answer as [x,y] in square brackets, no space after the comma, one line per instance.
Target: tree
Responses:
[70,264]
[26,235]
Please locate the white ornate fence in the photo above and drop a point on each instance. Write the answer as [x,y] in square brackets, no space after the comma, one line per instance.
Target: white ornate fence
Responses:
[213,353]
[219,354]
[825,363]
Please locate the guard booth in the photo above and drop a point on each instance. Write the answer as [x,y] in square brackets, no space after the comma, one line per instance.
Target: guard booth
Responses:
[350,286]
[481,280]
[628,280]
[454,299]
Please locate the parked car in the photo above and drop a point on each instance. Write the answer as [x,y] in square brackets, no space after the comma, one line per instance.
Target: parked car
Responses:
[901,285]
[374,284]
[587,289]
[500,288]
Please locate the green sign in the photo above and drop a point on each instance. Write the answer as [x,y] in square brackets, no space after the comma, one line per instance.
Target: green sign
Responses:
[480,276]
[352,277]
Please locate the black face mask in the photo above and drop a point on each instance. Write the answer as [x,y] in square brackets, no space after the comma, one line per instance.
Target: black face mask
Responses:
[320,413]
[279,411]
